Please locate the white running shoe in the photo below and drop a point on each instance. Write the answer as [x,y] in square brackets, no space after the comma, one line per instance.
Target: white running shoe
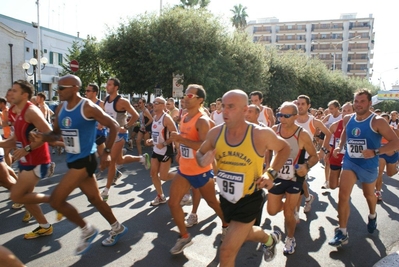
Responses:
[158,200]
[191,220]
[308,204]
[186,200]
[181,244]
[290,245]
[86,239]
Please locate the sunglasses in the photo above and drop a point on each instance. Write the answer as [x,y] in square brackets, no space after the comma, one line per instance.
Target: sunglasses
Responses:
[88,91]
[135,106]
[158,103]
[287,116]
[191,95]
[62,87]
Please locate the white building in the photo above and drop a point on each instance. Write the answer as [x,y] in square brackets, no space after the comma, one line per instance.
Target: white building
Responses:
[19,43]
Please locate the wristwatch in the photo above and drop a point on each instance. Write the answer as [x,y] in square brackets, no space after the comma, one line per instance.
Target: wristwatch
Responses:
[377,152]
[28,148]
[107,150]
[273,173]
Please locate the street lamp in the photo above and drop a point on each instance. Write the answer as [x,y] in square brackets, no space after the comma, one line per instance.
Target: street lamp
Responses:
[34,63]
[336,44]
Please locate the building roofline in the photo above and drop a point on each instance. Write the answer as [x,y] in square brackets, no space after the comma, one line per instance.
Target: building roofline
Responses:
[305,21]
[11,30]
[41,27]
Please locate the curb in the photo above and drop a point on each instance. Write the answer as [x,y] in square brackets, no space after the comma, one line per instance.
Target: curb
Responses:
[392,260]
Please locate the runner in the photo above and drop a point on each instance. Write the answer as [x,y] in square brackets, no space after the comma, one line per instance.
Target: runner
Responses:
[240,176]
[117,107]
[193,129]
[33,157]
[76,120]
[362,136]
[309,123]
[334,115]
[387,162]
[336,162]
[162,154]
[294,172]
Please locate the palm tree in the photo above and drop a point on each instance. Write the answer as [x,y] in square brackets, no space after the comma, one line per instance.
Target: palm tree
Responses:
[240,15]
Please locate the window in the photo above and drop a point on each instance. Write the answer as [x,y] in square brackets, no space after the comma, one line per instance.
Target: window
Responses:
[55,58]
[289,27]
[45,51]
[27,49]
[35,53]
[289,37]
[299,27]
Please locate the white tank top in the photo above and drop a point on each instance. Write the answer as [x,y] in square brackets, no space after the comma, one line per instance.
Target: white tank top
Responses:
[158,134]
[217,117]
[331,120]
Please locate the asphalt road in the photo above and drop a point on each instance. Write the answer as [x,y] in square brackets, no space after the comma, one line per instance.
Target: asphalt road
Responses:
[152,231]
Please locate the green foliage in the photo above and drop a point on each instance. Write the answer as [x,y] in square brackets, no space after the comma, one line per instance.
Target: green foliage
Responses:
[239,19]
[194,3]
[150,49]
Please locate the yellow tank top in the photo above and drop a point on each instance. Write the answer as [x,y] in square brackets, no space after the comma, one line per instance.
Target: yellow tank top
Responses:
[238,166]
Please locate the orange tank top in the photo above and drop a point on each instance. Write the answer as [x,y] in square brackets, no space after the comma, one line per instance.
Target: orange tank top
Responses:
[187,163]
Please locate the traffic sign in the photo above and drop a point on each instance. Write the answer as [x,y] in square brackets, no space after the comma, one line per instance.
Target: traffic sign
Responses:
[177,88]
[74,65]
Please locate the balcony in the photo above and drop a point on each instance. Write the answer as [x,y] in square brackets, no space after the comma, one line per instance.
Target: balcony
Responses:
[291,30]
[262,30]
[326,40]
[329,28]
[352,60]
[359,28]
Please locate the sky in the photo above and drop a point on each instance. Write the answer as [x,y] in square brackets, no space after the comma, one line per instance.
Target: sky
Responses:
[91,17]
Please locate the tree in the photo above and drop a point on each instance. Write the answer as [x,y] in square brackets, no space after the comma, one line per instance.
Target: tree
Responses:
[194,3]
[149,49]
[239,19]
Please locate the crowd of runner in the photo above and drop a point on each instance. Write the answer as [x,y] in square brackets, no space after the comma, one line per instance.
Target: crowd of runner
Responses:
[210,146]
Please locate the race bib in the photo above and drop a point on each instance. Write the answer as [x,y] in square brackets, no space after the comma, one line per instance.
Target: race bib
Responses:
[287,172]
[355,147]
[155,136]
[71,141]
[231,185]
[337,145]
[186,152]
[19,145]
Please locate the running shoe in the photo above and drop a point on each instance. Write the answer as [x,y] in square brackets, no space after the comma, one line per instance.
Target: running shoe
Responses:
[114,236]
[372,225]
[27,216]
[118,174]
[326,185]
[269,252]
[17,206]
[378,194]
[158,200]
[308,204]
[191,220]
[51,169]
[86,239]
[38,232]
[181,244]
[339,239]
[224,233]
[58,216]
[290,245]
[104,196]
[186,200]
[296,216]
[147,161]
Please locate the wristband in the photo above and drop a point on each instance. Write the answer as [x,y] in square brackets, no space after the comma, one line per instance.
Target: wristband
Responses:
[325,150]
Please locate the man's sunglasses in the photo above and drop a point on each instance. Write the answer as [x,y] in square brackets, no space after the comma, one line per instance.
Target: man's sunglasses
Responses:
[190,95]
[62,87]
[287,116]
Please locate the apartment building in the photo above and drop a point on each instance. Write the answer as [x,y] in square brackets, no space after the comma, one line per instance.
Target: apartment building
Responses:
[19,44]
[344,44]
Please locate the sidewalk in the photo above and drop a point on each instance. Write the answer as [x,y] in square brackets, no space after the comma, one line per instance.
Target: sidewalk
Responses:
[392,259]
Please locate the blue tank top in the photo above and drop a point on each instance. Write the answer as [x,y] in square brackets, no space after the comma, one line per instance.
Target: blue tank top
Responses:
[103,131]
[360,136]
[78,132]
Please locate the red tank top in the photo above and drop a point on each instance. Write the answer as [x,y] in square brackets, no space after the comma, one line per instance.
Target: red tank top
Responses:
[11,115]
[38,156]
[337,136]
